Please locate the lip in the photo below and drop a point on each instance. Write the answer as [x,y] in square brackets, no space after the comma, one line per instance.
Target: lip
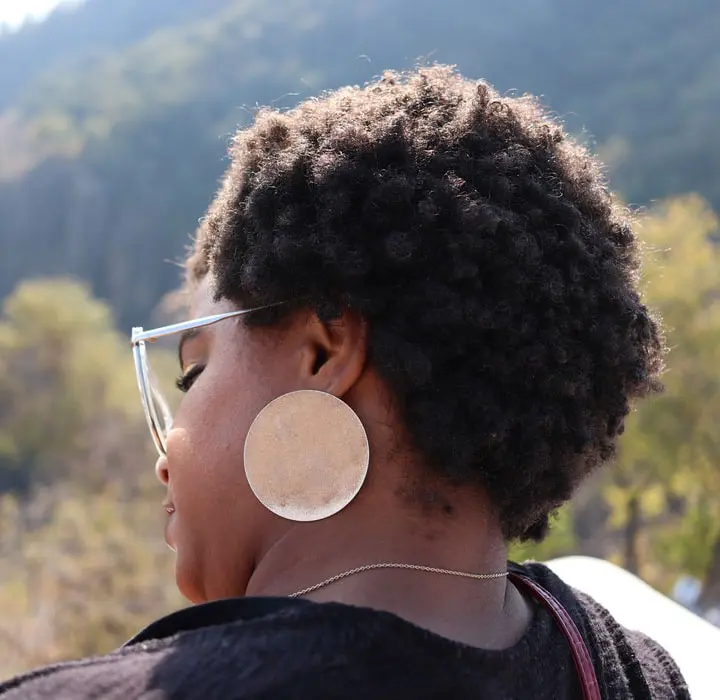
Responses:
[169,507]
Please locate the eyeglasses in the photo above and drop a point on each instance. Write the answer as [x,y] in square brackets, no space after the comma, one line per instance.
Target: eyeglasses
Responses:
[155,405]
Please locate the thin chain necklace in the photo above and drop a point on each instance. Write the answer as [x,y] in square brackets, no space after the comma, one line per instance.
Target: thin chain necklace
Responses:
[414,567]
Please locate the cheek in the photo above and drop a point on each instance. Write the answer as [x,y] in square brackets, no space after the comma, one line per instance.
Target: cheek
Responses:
[208,437]
[217,524]
[205,448]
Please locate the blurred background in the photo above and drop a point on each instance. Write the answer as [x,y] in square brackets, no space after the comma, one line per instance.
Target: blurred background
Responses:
[114,122]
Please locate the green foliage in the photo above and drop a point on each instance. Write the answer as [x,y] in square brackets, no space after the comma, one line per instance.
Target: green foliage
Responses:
[64,377]
[80,34]
[84,579]
[560,542]
[669,455]
[687,543]
[84,563]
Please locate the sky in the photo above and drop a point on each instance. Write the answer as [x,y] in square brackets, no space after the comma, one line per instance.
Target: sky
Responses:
[13,12]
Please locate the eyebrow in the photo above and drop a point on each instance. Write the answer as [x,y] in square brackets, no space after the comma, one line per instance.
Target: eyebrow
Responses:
[184,337]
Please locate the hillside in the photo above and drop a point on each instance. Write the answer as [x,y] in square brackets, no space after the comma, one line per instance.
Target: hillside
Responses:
[93,29]
[114,117]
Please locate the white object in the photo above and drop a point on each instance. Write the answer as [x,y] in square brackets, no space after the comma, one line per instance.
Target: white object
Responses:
[687,591]
[693,642]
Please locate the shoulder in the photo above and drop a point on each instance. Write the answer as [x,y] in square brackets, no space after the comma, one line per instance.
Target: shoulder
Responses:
[167,656]
[628,662]
[255,648]
[122,674]
[649,668]
[233,649]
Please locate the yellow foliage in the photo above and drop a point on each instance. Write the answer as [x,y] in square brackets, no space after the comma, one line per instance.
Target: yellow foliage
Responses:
[84,561]
[83,579]
[671,446]
[560,541]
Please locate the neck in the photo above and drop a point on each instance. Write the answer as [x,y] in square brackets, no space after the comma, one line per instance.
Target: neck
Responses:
[309,553]
[369,532]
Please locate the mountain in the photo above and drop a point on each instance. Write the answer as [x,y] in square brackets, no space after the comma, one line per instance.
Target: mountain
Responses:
[86,31]
[114,116]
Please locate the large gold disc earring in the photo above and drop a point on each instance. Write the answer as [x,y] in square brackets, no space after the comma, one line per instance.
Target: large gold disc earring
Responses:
[306,455]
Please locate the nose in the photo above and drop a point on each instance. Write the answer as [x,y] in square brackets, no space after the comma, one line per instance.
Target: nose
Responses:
[161,470]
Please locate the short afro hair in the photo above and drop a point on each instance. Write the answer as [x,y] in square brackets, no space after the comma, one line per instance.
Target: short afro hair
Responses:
[480,243]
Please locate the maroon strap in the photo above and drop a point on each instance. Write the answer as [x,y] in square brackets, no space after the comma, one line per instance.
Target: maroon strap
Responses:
[580,653]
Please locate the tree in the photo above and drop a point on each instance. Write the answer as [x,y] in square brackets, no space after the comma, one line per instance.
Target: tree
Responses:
[560,542]
[84,564]
[67,385]
[667,474]
[91,573]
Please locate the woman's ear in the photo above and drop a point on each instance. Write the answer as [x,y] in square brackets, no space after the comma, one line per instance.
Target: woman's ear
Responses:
[335,353]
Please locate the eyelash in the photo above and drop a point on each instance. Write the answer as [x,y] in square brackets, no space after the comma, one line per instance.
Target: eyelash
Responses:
[185,381]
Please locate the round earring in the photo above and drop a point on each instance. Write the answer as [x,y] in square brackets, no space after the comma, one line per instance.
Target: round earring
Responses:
[306,455]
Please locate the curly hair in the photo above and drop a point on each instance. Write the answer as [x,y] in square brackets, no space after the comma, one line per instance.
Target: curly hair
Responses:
[496,274]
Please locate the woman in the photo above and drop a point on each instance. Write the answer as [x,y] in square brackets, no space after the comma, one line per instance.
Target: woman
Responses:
[417,330]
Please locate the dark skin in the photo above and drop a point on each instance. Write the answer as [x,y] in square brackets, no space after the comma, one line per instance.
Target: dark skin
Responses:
[229,545]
